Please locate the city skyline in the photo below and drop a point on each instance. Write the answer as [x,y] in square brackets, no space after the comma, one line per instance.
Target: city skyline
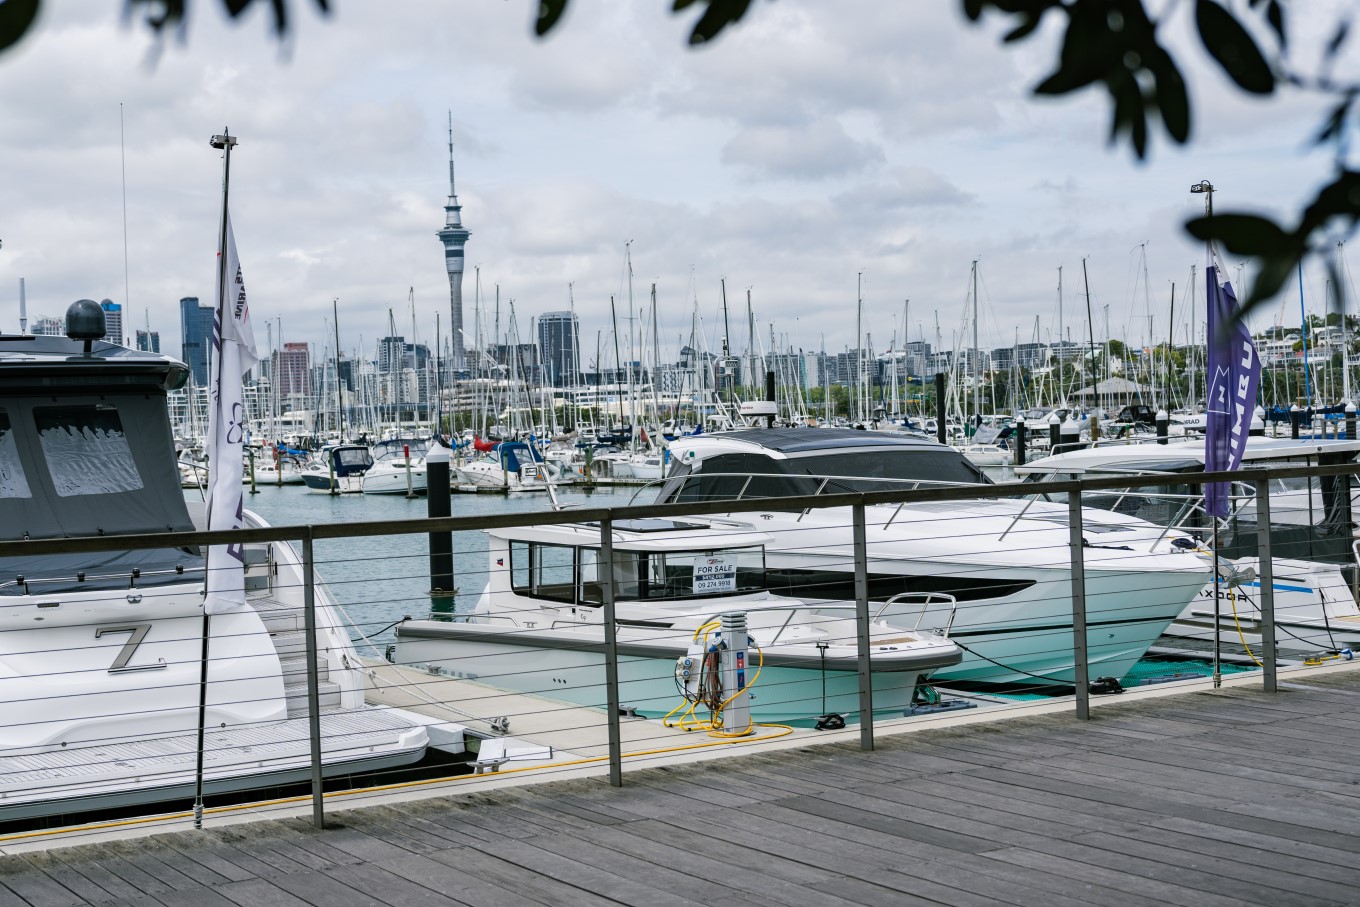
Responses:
[899,147]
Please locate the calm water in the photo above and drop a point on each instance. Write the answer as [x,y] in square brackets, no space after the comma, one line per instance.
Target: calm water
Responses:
[379,579]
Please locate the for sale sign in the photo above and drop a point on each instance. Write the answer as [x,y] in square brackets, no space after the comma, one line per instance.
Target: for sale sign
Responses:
[714,573]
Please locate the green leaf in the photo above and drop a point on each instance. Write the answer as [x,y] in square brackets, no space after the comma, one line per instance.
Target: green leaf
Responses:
[16,18]
[1172,98]
[719,15]
[1343,30]
[1275,16]
[1242,234]
[549,12]
[1232,46]
[1340,198]
[1336,120]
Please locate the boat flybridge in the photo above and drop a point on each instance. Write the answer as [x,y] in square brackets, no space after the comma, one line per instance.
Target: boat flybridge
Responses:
[1313,546]
[100,653]
[1005,563]
[538,626]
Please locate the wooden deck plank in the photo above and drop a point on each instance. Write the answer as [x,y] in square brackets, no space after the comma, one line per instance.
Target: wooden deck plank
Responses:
[1220,799]
[447,879]
[534,862]
[493,869]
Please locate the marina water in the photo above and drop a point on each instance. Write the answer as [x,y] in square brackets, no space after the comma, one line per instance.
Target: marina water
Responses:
[379,580]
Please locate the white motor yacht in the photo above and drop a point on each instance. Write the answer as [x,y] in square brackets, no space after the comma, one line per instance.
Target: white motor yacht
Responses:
[508,465]
[1313,546]
[338,469]
[100,654]
[1007,563]
[398,467]
[538,626]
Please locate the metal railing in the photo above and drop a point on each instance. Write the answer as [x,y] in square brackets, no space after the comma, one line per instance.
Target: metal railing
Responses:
[861,505]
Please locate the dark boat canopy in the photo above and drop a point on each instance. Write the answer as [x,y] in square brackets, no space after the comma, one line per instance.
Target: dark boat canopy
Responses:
[86,449]
[781,463]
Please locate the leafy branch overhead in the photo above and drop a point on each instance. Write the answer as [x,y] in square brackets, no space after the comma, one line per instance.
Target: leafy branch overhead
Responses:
[1114,44]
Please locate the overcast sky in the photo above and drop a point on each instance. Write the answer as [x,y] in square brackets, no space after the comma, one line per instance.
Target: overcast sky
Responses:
[815,142]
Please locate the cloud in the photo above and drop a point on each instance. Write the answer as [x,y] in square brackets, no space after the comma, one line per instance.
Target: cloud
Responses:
[817,151]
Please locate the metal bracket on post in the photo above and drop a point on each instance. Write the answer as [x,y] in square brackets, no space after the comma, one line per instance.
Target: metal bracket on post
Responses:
[611,653]
[313,694]
[1081,673]
[1265,572]
[866,689]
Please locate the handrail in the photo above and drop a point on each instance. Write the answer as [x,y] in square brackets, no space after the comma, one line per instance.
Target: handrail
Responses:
[85,544]
[927,599]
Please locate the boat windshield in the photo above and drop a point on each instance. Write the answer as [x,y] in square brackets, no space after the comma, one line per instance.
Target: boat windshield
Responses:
[738,476]
[87,465]
[576,575]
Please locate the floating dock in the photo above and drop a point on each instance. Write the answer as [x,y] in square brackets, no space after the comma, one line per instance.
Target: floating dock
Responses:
[1176,794]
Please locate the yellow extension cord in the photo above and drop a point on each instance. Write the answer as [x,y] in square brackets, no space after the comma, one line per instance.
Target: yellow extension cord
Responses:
[688,721]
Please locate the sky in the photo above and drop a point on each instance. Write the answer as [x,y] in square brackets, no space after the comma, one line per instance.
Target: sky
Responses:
[815,155]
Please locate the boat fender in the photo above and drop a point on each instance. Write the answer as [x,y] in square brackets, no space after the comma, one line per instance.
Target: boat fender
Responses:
[831,722]
[1104,685]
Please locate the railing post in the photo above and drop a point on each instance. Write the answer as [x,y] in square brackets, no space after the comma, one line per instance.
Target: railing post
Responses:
[313,694]
[611,654]
[866,680]
[1081,675]
[1265,572]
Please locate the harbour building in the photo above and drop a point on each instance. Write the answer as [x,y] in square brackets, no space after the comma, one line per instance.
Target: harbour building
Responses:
[113,322]
[149,341]
[559,344]
[195,324]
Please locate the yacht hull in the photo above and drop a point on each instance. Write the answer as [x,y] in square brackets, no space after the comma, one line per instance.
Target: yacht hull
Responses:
[793,685]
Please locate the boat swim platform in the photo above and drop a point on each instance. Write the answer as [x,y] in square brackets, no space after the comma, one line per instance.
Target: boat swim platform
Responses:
[1188,796]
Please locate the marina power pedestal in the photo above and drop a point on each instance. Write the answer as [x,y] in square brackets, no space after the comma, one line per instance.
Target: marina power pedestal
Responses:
[736,673]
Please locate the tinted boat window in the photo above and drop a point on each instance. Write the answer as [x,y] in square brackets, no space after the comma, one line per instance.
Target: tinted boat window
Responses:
[86,450]
[13,483]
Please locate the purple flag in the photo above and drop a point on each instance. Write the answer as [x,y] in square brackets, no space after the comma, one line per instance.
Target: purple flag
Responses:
[1234,373]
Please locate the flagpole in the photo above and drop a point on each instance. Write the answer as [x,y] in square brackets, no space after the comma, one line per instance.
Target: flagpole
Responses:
[225,143]
[1207,188]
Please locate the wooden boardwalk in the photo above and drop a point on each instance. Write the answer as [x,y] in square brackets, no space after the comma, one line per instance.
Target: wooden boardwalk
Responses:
[1203,800]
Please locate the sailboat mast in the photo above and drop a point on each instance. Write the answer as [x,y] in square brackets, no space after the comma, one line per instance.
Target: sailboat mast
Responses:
[1345,332]
[339,388]
[977,355]
[858,414]
[1091,336]
[1062,387]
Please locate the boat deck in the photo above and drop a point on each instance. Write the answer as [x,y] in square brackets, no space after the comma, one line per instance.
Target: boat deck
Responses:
[99,774]
[1224,798]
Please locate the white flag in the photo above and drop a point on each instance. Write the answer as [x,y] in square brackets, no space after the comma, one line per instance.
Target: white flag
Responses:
[234,354]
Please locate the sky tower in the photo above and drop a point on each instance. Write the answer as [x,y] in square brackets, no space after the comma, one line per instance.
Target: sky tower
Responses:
[454,236]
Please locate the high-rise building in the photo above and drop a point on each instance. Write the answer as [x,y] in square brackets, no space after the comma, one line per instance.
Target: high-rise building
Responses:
[559,345]
[291,368]
[45,326]
[454,236]
[149,341]
[195,325]
[391,355]
[113,322]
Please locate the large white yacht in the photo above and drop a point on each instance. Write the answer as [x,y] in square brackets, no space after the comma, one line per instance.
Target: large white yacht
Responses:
[539,624]
[1312,534]
[100,653]
[1005,562]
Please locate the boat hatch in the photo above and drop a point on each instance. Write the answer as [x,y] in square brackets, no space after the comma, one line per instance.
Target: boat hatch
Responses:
[655,525]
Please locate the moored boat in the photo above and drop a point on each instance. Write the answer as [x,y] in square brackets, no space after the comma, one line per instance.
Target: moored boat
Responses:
[100,654]
[539,624]
[1006,563]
